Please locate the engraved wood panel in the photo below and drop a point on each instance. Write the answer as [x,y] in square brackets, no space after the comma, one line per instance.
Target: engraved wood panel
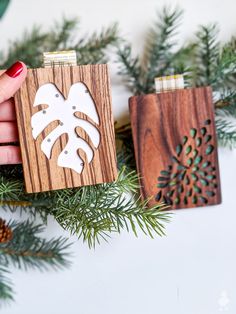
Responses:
[175,147]
[43,174]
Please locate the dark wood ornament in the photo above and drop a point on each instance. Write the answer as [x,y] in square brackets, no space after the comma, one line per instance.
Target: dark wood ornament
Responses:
[176,147]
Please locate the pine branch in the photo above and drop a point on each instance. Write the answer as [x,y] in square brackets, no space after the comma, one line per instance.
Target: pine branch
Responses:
[10,189]
[95,211]
[225,72]
[27,249]
[130,69]
[183,62]
[206,54]
[159,55]
[13,197]
[217,67]
[89,212]
[28,49]
[6,291]
[93,48]
[226,131]
[125,147]
[61,35]
[31,46]
[226,103]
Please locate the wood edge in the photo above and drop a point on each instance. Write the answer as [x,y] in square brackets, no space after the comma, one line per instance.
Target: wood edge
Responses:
[142,96]
[31,191]
[17,94]
[73,66]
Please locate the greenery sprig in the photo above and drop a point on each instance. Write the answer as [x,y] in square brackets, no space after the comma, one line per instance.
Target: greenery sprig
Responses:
[6,290]
[26,250]
[158,58]
[91,212]
[90,49]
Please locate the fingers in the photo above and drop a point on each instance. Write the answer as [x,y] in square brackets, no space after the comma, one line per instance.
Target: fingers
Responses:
[10,155]
[7,110]
[8,132]
[11,80]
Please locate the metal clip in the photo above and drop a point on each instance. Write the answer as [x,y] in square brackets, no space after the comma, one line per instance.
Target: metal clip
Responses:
[59,58]
[169,83]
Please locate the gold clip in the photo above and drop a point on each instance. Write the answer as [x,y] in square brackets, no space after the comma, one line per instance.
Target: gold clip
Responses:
[59,58]
[169,83]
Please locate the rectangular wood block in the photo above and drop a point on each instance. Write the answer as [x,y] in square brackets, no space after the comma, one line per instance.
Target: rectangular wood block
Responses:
[176,148]
[44,173]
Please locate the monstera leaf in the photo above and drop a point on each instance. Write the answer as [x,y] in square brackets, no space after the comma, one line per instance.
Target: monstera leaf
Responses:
[3,7]
[64,111]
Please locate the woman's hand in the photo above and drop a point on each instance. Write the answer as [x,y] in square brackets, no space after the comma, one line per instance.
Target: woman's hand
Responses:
[10,82]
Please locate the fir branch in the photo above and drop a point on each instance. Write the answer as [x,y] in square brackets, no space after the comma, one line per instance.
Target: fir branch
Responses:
[13,197]
[125,147]
[93,48]
[90,212]
[31,46]
[28,49]
[226,131]
[6,291]
[217,67]
[206,54]
[10,189]
[225,75]
[159,57]
[27,249]
[61,35]
[130,69]
[158,54]
[95,211]
[183,61]
[226,103]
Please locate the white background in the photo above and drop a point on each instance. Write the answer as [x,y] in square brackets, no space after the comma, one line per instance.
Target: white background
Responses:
[192,269]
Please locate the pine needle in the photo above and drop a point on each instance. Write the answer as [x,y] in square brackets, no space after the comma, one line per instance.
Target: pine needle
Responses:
[28,249]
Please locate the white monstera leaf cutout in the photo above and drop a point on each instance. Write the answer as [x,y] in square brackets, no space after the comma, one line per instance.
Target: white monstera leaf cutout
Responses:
[63,110]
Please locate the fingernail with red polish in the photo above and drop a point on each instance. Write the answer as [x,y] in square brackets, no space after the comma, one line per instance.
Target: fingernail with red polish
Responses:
[15,70]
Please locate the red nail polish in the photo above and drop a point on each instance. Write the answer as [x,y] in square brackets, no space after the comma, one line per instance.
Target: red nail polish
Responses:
[15,69]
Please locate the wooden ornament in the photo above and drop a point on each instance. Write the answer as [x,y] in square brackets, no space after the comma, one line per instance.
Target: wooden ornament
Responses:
[176,148]
[66,127]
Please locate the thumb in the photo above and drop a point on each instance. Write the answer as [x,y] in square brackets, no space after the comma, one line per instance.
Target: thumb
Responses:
[11,80]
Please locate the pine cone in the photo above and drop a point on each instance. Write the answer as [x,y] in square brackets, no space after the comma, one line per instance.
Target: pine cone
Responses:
[5,232]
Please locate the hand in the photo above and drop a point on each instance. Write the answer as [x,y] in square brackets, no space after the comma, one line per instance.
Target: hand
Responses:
[10,82]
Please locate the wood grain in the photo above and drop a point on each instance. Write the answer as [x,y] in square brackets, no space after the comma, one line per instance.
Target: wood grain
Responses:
[176,148]
[42,174]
